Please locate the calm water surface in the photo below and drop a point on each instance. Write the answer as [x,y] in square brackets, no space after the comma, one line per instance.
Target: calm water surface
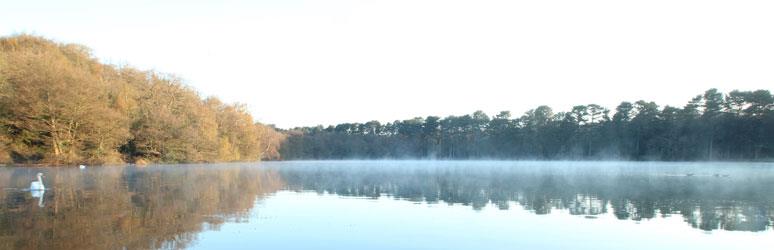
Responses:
[392,205]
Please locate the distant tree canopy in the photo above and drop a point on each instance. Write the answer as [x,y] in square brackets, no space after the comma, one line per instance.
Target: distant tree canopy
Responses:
[60,105]
[712,126]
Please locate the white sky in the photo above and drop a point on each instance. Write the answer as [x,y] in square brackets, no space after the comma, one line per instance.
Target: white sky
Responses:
[300,63]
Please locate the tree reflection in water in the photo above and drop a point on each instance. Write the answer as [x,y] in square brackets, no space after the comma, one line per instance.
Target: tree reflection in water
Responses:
[707,202]
[117,207]
[167,206]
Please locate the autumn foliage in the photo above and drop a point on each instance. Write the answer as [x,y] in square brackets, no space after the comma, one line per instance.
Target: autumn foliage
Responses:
[60,105]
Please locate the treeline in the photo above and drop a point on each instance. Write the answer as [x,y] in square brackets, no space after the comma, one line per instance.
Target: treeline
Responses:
[713,126]
[60,105]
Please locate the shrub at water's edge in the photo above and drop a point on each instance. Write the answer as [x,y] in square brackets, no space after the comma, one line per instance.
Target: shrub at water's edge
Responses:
[60,105]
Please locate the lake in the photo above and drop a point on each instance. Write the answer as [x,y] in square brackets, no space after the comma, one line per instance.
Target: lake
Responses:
[392,205]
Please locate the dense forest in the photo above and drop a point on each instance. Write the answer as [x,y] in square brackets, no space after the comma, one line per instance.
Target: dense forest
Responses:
[712,126]
[60,105]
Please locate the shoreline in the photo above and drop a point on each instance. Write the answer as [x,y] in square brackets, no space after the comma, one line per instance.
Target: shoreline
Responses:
[41,165]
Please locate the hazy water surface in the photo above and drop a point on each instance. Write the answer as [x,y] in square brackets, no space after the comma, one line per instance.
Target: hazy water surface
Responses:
[392,205]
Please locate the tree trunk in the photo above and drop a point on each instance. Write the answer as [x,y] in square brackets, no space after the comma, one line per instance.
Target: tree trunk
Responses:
[55,140]
[710,148]
[56,148]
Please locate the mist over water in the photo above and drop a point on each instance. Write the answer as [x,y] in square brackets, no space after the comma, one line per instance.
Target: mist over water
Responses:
[382,204]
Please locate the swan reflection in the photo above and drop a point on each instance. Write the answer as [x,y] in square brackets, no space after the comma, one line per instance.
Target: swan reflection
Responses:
[40,194]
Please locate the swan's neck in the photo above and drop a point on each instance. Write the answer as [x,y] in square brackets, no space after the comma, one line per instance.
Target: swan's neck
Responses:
[40,180]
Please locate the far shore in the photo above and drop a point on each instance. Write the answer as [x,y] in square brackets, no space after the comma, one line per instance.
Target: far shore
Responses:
[43,165]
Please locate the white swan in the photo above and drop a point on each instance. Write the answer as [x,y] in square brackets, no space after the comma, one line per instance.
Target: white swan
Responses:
[38,185]
[81,167]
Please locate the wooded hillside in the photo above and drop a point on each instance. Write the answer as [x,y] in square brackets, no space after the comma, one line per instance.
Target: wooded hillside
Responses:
[60,105]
